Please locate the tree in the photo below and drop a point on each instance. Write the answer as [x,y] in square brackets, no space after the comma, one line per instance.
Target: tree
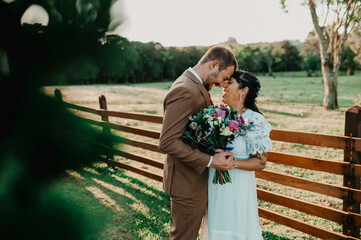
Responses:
[332,32]
[232,42]
[271,54]
[354,42]
[168,68]
[152,59]
[310,52]
[181,60]
[119,59]
[249,58]
[195,54]
[290,59]
[348,62]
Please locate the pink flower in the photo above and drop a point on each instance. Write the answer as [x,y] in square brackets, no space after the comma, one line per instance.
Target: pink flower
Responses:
[221,113]
[233,125]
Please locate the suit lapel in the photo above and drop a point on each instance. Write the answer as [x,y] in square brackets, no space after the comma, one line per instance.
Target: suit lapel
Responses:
[201,88]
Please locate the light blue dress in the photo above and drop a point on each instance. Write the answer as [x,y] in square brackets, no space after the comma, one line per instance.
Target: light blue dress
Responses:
[232,207]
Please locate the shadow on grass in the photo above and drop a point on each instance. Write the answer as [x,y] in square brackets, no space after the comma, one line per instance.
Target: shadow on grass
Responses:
[129,208]
[151,208]
[285,113]
[126,207]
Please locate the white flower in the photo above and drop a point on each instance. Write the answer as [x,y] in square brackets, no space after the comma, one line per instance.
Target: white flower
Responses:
[194,125]
[226,132]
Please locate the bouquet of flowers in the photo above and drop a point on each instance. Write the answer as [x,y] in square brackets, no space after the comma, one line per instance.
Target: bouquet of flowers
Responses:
[213,128]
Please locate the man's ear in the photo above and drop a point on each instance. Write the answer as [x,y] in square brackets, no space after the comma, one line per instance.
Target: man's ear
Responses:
[213,64]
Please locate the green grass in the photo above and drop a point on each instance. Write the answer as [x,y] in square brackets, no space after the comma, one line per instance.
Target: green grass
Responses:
[290,103]
[309,90]
[294,88]
[126,207]
[159,85]
[120,206]
[288,91]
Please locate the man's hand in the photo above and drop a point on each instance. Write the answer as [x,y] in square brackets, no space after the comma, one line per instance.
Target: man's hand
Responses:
[222,160]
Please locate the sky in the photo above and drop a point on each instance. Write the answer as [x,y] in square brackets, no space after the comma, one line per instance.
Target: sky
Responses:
[208,22]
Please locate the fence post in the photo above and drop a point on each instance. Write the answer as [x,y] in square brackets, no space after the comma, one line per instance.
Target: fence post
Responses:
[106,130]
[57,95]
[352,129]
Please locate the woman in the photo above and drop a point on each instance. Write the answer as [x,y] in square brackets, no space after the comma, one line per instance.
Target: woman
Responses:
[232,207]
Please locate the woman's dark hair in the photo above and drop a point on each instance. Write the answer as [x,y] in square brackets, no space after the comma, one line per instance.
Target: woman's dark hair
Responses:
[246,79]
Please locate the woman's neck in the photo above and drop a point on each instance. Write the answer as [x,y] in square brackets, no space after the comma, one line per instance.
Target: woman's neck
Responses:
[239,107]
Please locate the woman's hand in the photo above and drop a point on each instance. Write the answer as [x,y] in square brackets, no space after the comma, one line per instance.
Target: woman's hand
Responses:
[235,163]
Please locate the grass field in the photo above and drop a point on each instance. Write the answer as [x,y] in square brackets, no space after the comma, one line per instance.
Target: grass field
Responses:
[134,207]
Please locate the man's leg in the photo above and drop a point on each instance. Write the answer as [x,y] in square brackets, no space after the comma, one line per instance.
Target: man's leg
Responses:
[187,214]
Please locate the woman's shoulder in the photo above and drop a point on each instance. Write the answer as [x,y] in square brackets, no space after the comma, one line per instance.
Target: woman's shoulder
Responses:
[258,135]
[254,117]
[259,125]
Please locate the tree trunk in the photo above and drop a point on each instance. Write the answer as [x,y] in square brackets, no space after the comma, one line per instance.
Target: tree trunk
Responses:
[270,72]
[269,63]
[329,100]
[349,71]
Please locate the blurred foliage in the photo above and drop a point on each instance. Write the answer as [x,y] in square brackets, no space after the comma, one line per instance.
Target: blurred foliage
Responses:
[41,138]
[115,59]
[124,61]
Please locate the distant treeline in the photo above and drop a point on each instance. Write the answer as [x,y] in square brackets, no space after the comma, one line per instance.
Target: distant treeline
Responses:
[121,61]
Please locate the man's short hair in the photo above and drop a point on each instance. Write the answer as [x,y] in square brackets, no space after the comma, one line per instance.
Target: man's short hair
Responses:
[223,54]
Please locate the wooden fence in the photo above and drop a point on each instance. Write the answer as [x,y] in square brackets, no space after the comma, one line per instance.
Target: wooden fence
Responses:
[350,169]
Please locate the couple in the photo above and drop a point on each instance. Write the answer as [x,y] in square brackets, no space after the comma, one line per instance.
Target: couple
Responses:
[232,207]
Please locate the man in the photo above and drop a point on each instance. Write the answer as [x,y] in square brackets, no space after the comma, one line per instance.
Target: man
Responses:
[186,168]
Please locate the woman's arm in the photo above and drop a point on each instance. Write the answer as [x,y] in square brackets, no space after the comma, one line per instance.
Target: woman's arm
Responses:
[254,163]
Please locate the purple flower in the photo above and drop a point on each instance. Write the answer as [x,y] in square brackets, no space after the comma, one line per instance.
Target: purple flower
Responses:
[233,125]
[221,113]
[222,106]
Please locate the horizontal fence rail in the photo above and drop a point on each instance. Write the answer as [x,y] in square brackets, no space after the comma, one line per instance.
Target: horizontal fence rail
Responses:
[301,226]
[350,169]
[336,167]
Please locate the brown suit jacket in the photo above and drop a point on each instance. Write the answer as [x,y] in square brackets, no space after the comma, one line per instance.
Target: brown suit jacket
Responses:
[185,168]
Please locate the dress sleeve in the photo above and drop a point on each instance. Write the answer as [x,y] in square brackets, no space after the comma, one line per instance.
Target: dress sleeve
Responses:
[257,138]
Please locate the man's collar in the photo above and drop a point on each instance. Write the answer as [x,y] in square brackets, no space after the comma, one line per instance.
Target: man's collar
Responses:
[195,74]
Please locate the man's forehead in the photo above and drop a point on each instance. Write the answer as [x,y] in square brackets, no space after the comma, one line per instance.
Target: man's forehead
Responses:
[230,70]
